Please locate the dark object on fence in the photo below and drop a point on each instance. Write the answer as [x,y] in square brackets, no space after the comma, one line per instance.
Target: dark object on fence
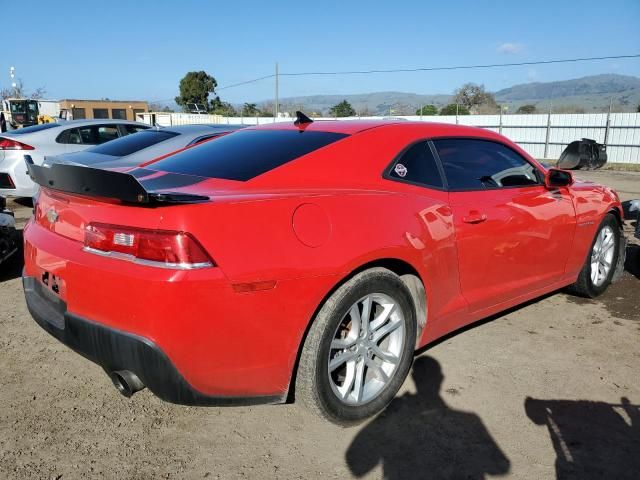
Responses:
[583,154]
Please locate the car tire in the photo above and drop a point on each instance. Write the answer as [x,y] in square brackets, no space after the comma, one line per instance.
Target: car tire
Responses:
[605,249]
[378,351]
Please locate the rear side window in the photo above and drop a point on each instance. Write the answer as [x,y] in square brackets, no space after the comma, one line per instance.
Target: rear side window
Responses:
[245,154]
[95,135]
[417,165]
[134,128]
[471,164]
[133,143]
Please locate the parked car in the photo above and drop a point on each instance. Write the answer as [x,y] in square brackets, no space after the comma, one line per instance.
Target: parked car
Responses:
[40,141]
[8,235]
[143,146]
[313,257]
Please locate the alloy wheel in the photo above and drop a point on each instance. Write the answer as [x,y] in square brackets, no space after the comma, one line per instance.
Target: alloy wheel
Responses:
[366,349]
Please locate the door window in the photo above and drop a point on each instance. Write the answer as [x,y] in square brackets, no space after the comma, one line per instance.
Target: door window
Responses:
[417,165]
[471,164]
[95,135]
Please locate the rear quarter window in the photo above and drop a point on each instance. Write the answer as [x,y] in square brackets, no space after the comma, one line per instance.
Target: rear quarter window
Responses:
[245,154]
[133,143]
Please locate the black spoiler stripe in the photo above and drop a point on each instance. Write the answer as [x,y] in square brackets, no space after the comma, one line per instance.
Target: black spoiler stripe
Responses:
[89,181]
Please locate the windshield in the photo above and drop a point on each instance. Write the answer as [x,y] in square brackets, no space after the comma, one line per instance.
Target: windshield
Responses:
[133,143]
[245,154]
[17,107]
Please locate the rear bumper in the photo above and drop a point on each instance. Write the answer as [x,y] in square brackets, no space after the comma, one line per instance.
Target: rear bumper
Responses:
[13,165]
[113,350]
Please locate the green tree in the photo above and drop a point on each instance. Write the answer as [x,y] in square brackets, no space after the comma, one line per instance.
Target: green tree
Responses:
[250,110]
[427,110]
[225,109]
[342,109]
[526,109]
[195,87]
[638,109]
[451,110]
[473,96]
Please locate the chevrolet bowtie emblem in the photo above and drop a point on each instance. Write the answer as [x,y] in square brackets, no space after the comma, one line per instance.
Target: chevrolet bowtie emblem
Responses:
[52,215]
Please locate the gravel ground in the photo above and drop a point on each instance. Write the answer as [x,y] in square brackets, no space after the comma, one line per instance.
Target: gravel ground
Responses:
[546,390]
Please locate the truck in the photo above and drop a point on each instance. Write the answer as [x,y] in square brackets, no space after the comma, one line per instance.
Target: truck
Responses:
[24,112]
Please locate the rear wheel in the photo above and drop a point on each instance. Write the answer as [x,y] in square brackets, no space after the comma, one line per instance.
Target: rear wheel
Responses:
[359,348]
[600,265]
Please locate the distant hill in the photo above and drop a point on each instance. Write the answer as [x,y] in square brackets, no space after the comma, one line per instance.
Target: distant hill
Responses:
[591,94]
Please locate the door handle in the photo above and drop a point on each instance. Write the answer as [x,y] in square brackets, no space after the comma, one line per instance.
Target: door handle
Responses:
[474,217]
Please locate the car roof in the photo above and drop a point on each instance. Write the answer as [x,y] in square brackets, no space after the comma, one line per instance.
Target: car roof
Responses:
[201,128]
[98,121]
[336,126]
[351,127]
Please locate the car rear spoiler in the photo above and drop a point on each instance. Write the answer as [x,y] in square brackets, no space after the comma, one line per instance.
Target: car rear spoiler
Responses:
[96,182]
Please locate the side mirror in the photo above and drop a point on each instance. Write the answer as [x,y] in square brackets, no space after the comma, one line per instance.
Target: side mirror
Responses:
[556,178]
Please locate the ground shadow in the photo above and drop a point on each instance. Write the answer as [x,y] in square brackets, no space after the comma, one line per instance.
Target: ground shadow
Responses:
[420,436]
[11,268]
[592,440]
[24,201]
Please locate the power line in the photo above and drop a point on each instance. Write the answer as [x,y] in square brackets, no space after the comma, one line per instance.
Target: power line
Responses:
[462,67]
[427,69]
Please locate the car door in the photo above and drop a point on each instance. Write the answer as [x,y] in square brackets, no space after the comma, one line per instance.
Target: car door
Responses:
[513,235]
[433,238]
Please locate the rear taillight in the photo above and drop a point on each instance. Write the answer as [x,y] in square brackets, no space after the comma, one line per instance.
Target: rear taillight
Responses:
[159,248]
[9,144]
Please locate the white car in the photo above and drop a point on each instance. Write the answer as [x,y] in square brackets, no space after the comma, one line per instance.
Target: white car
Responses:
[49,139]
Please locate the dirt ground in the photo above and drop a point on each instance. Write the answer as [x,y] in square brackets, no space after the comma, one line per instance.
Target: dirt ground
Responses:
[548,390]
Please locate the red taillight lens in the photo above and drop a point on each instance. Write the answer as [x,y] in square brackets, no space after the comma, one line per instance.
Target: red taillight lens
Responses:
[8,144]
[154,247]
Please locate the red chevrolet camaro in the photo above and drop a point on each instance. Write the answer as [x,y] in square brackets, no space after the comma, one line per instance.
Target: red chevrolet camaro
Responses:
[309,259]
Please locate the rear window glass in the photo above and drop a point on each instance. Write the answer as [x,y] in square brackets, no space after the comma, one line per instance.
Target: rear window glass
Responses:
[133,143]
[245,154]
[34,128]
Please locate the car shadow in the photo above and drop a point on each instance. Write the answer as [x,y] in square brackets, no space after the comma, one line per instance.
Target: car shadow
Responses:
[592,440]
[11,268]
[420,436]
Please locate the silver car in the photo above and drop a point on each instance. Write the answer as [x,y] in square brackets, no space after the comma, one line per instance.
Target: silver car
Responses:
[49,139]
[143,146]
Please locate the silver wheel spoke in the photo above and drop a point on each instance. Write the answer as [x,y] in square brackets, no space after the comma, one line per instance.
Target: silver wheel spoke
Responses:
[343,343]
[366,313]
[358,384]
[384,331]
[380,319]
[377,369]
[341,359]
[386,356]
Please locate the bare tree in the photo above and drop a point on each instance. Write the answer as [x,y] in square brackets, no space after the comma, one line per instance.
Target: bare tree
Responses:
[19,91]
[473,96]
[38,93]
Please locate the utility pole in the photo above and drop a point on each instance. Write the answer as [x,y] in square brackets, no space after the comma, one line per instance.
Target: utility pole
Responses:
[276,107]
[608,123]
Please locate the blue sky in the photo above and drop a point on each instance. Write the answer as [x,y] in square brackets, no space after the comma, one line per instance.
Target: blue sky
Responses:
[141,49]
